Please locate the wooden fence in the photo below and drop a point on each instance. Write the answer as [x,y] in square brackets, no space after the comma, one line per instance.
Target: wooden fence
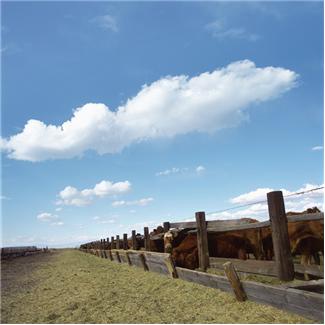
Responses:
[10,252]
[282,267]
[297,300]
[267,268]
[309,304]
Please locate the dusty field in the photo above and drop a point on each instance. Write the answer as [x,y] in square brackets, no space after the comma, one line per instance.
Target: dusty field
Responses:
[73,287]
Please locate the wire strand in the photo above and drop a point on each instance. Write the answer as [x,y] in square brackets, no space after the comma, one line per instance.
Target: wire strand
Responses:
[263,201]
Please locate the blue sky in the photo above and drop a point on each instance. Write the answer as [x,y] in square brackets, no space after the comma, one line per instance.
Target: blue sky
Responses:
[183,107]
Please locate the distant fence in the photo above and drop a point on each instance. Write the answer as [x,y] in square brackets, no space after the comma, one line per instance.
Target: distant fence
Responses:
[303,302]
[10,252]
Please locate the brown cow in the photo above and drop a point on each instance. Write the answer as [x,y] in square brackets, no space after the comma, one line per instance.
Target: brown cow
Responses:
[306,238]
[186,254]
[235,244]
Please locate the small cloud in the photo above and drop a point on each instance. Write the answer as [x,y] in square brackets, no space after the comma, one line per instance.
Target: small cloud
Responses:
[59,223]
[132,211]
[2,197]
[107,221]
[317,148]
[100,220]
[46,217]
[106,22]
[58,209]
[219,30]
[174,170]
[200,169]
[141,202]
[72,196]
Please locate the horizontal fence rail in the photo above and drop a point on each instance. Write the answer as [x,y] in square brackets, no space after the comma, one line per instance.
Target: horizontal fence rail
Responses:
[218,226]
[305,303]
[261,267]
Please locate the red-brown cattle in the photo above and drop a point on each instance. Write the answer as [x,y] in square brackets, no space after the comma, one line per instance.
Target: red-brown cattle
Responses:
[306,238]
[232,244]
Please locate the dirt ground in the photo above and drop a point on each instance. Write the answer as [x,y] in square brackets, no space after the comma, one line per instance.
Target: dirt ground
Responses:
[68,286]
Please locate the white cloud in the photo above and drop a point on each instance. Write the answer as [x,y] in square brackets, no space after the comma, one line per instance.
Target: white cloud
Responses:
[176,170]
[256,195]
[141,202]
[110,221]
[173,170]
[72,196]
[59,223]
[200,169]
[317,148]
[106,22]
[219,30]
[101,220]
[166,108]
[47,217]
[259,211]
[58,209]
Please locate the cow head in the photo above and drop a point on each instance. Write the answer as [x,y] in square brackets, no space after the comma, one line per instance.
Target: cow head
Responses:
[169,236]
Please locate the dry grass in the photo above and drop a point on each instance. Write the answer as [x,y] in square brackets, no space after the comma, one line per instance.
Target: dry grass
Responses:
[74,287]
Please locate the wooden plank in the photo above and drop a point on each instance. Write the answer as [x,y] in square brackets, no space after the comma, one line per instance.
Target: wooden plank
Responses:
[116,257]
[190,224]
[244,226]
[248,266]
[124,258]
[208,280]
[215,226]
[280,236]
[109,254]
[313,286]
[137,259]
[263,267]
[307,304]
[306,217]
[234,281]
[202,241]
[156,262]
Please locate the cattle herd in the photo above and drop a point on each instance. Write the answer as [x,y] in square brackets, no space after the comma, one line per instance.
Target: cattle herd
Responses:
[306,240]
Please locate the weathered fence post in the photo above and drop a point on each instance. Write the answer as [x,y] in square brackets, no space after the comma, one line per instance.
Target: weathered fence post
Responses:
[234,281]
[112,243]
[117,241]
[107,240]
[166,226]
[134,240]
[202,241]
[146,239]
[280,236]
[125,241]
